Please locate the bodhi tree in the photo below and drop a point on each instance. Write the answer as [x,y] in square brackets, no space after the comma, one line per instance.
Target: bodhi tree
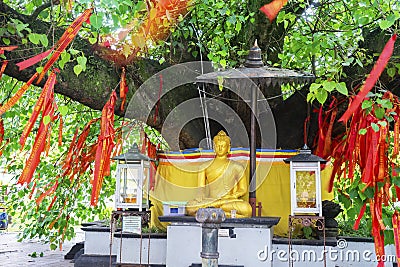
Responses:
[126,42]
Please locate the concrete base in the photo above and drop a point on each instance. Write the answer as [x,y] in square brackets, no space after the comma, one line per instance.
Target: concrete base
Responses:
[97,241]
[136,249]
[238,242]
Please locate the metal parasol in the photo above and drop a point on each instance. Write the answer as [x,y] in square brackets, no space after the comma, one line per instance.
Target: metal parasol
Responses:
[261,77]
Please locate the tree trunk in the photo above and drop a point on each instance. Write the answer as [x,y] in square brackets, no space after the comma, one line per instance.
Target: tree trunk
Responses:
[93,87]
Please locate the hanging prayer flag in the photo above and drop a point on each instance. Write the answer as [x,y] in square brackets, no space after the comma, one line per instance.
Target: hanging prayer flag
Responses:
[65,40]
[3,68]
[105,145]
[371,79]
[11,102]
[39,145]
[7,48]
[33,60]
[123,88]
[272,9]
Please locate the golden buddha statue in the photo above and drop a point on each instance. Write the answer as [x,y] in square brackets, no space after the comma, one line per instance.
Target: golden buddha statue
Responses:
[221,183]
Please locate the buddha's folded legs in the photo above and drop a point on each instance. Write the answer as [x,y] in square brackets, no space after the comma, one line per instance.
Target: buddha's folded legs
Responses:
[243,209]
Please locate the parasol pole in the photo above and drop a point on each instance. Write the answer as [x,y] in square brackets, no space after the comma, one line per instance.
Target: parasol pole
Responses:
[253,61]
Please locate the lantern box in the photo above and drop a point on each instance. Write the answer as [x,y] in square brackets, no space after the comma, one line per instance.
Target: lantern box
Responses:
[305,182]
[174,208]
[132,180]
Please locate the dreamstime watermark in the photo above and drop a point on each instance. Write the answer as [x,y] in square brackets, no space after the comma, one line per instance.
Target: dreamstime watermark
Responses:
[340,253]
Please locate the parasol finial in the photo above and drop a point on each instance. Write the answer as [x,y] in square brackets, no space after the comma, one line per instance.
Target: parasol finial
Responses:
[254,58]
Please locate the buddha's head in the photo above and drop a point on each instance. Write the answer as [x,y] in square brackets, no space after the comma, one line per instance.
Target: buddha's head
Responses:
[222,144]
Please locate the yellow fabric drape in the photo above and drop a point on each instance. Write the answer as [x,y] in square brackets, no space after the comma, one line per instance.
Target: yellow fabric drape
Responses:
[178,183]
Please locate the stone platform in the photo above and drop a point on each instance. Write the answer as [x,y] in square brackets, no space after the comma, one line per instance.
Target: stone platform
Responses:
[239,240]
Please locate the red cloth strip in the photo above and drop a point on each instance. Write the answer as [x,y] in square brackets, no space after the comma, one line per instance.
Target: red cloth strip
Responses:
[33,60]
[272,9]
[372,78]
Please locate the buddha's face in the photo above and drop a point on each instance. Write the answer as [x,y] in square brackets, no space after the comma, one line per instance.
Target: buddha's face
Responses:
[221,147]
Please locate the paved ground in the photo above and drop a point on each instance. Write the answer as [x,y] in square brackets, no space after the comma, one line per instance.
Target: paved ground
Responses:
[14,253]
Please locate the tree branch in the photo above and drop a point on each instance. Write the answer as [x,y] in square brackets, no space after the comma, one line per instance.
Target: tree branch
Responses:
[41,8]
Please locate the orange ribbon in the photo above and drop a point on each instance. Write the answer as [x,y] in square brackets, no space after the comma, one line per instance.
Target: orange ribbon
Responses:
[65,40]
[104,147]
[11,102]
[272,9]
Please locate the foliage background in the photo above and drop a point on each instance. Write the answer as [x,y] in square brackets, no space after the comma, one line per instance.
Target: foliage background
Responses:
[335,40]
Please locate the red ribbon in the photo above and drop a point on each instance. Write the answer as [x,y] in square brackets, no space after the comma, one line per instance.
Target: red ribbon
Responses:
[371,79]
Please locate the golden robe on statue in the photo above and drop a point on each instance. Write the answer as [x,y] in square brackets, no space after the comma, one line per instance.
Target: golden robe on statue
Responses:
[178,180]
[221,182]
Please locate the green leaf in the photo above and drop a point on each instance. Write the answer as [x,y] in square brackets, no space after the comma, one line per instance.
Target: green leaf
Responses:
[341,88]
[396,181]
[321,96]
[362,131]
[43,39]
[310,97]
[46,119]
[329,85]
[386,103]
[369,192]
[345,201]
[220,82]
[388,234]
[375,127]
[34,38]
[307,231]
[348,61]
[379,112]
[366,104]
[11,28]
[382,123]
[238,26]
[21,193]
[351,213]
[63,110]
[77,69]
[53,246]
[39,69]
[65,57]
[82,61]
[314,87]
[223,63]
[92,40]
[21,26]
[96,20]
[391,72]
[353,193]
[73,51]
[6,41]
[384,24]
